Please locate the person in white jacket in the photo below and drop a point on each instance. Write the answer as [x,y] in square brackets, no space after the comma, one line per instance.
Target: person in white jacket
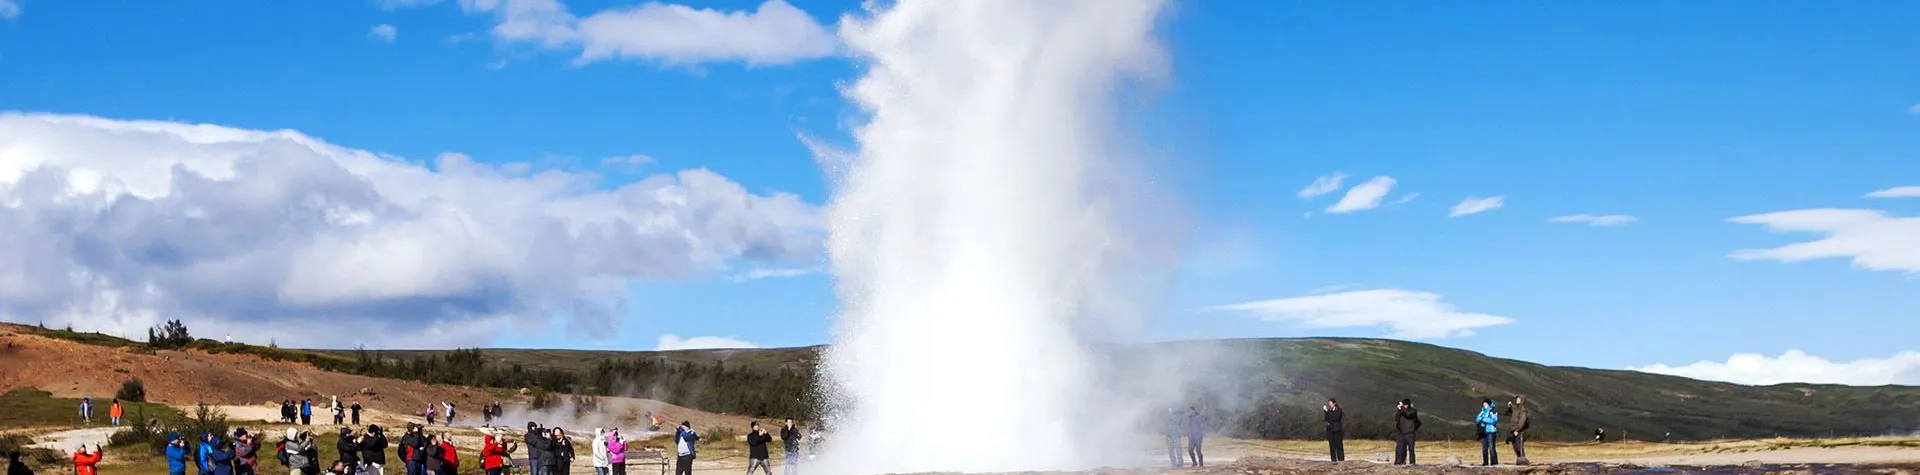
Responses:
[600,464]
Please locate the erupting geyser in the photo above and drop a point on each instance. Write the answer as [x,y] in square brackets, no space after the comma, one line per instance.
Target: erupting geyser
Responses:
[974,230]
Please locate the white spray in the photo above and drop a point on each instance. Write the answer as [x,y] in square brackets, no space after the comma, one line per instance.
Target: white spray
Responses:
[976,235]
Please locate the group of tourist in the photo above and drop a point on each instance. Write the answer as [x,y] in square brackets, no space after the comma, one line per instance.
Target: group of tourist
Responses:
[1194,427]
[86,411]
[1406,426]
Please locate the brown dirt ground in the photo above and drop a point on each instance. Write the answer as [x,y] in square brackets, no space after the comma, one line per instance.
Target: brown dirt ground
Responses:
[248,386]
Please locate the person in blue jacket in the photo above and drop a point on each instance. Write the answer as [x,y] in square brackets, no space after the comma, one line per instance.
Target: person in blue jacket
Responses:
[306,412]
[1489,425]
[176,454]
[685,442]
[204,455]
[222,458]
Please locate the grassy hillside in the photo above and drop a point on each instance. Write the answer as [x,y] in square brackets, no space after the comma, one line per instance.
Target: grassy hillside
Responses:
[1288,378]
[1283,384]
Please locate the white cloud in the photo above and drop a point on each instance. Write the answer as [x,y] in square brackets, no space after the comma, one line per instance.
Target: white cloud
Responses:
[391,5]
[10,9]
[1594,220]
[1897,192]
[1409,314]
[1323,185]
[112,224]
[383,32]
[773,273]
[671,342]
[774,33]
[1364,196]
[1406,198]
[634,160]
[1796,366]
[1474,205]
[1872,239]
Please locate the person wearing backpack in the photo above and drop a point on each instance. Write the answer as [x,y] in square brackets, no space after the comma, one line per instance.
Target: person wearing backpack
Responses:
[176,454]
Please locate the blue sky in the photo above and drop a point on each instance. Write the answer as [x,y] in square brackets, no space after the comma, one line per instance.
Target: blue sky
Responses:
[1682,115]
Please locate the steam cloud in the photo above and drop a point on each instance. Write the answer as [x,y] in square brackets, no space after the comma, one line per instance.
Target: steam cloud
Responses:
[980,237]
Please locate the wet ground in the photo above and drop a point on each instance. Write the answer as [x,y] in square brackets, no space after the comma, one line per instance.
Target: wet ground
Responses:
[1277,466]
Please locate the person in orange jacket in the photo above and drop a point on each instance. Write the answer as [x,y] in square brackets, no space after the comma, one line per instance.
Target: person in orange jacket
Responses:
[84,460]
[114,412]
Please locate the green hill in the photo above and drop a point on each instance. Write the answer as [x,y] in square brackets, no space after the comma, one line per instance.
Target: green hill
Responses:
[1285,381]
[1278,383]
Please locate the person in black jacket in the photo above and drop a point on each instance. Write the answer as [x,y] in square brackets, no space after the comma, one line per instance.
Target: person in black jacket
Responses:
[434,457]
[539,450]
[562,449]
[757,440]
[17,464]
[790,443]
[349,449]
[411,448]
[1336,431]
[373,450]
[1406,424]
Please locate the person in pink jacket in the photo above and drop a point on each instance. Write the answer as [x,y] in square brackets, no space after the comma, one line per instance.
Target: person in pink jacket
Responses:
[617,452]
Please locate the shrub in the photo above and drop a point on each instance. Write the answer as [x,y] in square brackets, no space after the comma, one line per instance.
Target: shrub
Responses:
[132,390]
[35,456]
[720,434]
[151,434]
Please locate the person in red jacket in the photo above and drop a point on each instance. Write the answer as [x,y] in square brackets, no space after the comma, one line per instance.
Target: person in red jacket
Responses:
[84,460]
[493,455]
[449,455]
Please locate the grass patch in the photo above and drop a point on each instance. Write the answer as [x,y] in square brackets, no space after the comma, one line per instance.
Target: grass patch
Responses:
[36,408]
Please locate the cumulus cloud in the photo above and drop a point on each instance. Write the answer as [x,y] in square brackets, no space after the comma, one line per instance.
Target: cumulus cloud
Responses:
[1871,239]
[391,5]
[1796,366]
[1475,205]
[1364,196]
[9,10]
[1409,314]
[1594,220]
[384,33]
[113,225]
[671,342]
[1323,185]
[774,33]
[1897,192]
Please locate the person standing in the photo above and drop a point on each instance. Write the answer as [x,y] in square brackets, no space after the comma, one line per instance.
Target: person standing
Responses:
[222,457]
[430,417]
[306,412]
[355,409]
[449,406]
[449,455]
[536,446]
[562,452]
[1406,427]
[1171,429]
[411,445]
[1489,424]
[616,452]
[114,412]
[757,440]
[1196,432]
[86,410]
[246,451]
[204,454]
[790,444]
[493,454]
[1336,431]
[684,440]
[373,450]
[601,464]
[84,460]
[349,446]
[1517,412]
[176,454]
[302,456]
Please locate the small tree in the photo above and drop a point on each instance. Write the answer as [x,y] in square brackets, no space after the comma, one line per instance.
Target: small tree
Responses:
[173,335]
[132,390]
